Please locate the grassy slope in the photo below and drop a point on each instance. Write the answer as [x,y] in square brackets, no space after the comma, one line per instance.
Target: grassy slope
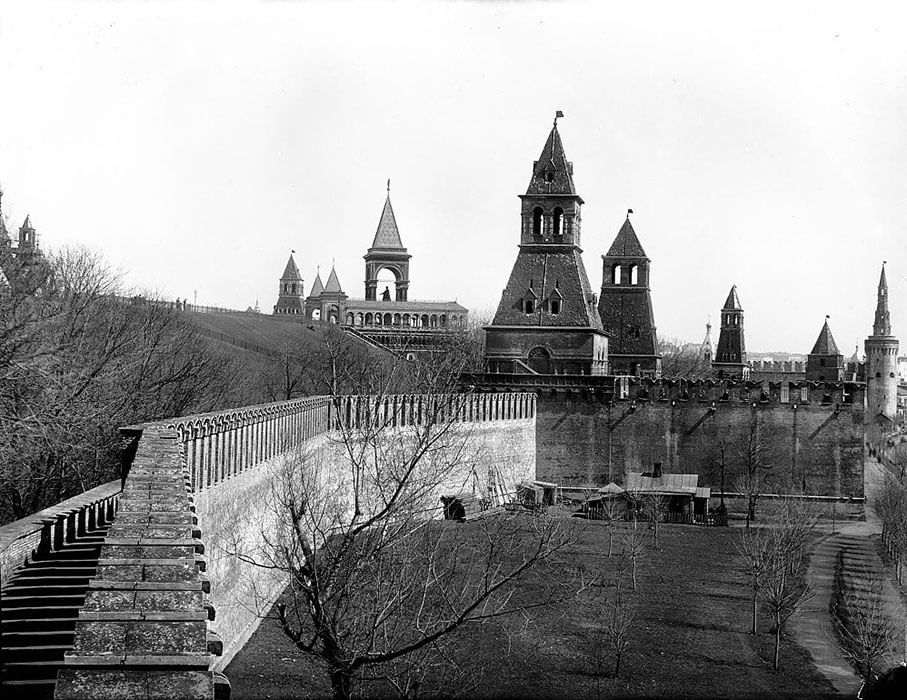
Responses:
[690,639]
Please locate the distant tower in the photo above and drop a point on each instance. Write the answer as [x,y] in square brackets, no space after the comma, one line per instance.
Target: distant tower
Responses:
[387,253]
[312,303]
[332,299]
[825,362]
[881,362]
[625,306]
[705,350]
[290,294]
[730,357]
[546,322]
[4,233]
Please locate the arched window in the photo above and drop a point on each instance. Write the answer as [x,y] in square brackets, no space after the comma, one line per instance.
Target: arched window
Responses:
[537,221]
[443,320]
[396,319]
[634,274]
[350,319]
[539,359]
[316,315]
[558,221]
[433,321]
[555,306]
[377,319]
[615,274]
[368,319]
[423,323]
[387,319]
[528,306]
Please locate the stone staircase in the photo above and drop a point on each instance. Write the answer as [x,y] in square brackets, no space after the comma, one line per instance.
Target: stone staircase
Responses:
[39,606]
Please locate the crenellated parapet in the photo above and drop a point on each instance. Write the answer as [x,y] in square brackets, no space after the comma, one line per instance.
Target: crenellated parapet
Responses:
[844,395]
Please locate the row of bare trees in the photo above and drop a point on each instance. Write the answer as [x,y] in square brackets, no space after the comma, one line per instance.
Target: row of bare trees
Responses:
[76,362]
[775,555]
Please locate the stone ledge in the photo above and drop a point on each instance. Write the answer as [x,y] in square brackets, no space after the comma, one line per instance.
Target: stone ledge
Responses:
[200,661]
[127,585]
[109,684]
[144,615]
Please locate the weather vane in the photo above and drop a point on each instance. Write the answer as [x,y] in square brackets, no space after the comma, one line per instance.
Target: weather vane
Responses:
[558,115]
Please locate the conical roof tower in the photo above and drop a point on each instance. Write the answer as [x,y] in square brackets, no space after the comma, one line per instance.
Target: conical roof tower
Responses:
[546,321]
[290,293]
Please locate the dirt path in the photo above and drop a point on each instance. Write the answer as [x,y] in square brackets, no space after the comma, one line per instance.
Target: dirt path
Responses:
[813,626]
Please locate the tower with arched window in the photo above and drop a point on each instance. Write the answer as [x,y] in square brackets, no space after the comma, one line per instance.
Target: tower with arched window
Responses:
[290,295]
[881,362]
[387,253]
[625,306]
[730,356]
[546,322]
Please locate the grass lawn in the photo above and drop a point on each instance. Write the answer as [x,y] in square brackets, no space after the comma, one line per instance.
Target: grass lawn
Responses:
[690,637]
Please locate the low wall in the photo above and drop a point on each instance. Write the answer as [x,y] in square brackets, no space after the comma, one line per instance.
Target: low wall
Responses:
[48,529]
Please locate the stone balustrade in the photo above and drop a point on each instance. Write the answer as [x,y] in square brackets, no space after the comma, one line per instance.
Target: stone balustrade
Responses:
[48,529]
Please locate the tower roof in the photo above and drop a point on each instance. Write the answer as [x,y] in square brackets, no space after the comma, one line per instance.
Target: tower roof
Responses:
[626,244]
[333,285]
[26,225]
[317,286]
[882,323]
[733,301]
[825,343]
[290,272]
[552,173]
[387,235]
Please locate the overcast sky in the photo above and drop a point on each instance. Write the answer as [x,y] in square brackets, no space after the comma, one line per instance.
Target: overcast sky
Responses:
[196,145]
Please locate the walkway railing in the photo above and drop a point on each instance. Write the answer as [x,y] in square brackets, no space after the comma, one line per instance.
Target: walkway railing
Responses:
[219,445]
[48,529]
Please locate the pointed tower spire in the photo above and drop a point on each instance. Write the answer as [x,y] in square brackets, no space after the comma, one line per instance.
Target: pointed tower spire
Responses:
[333,284]
[882,323]
[881,363]
[290,292]
[825,362]
[317,285]
[730,356]
[546,322]
[4,233]
[387,253]
[625,306]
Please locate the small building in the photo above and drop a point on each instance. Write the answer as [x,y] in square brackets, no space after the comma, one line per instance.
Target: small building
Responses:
[610,502]
[680,493]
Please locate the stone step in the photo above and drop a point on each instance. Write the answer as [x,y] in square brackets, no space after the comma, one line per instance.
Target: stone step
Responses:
[32,670]
[29,689]
[42,588]
[14,600]
[25,638]
[31,612]
[37,623]
[32,652]
[50,580]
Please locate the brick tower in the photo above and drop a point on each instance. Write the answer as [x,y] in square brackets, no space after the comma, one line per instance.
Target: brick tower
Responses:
[881,362]
[387,253]
[730,357]
[546,322]
[625,306]
[290,294]
[825,362]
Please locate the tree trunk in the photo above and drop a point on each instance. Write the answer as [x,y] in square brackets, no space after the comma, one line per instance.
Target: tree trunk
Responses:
[754,628]
[610,540]
[617,666]
[634,573]
[777,642]
[341,684]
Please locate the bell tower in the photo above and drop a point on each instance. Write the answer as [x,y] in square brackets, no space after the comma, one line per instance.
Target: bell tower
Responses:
[881,362]
[387,253]
[290,294]
[546,322]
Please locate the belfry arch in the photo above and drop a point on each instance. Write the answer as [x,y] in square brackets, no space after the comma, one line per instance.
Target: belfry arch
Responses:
[387,253]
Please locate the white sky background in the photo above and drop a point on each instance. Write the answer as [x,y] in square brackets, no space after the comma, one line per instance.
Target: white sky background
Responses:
[196,145]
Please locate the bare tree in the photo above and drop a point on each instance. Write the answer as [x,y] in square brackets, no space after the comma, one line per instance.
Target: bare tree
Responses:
[783,585]
[755,464]
[379,582]
[681,359]
[633,547]
[752,546]
[865,632]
